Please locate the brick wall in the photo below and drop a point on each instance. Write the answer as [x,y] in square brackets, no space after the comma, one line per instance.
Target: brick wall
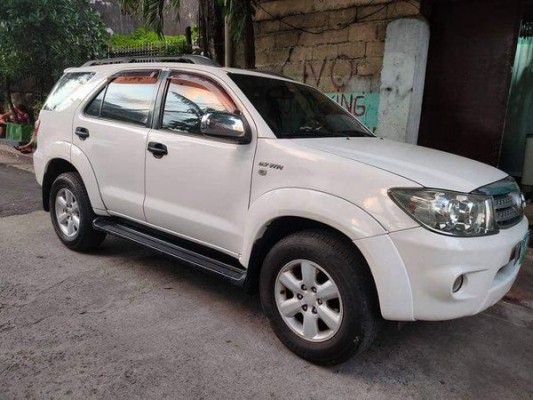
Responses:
[339,46]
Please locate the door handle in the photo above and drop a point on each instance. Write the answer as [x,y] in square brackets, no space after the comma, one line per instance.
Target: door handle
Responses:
[83,133]
[157,149]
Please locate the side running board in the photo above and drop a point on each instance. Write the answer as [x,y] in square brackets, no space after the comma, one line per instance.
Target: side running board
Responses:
[180,249]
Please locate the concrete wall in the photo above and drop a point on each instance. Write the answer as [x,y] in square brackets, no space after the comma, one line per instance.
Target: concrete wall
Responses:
[402,79]
[339,47]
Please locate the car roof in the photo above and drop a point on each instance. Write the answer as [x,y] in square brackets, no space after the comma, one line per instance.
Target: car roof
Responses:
[110,69]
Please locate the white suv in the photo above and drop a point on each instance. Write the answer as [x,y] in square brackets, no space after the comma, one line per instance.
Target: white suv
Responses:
[271,185]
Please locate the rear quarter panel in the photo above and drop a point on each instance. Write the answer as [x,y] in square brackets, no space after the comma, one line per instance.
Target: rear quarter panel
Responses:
[54,140]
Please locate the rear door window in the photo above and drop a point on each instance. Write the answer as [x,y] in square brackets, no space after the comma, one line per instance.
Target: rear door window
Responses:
[127,98]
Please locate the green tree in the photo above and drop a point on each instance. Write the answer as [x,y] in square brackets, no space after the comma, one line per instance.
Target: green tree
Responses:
[239,12]
[40,38]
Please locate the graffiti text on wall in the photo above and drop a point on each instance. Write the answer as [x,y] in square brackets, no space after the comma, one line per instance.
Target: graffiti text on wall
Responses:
[363,105]
[341,71]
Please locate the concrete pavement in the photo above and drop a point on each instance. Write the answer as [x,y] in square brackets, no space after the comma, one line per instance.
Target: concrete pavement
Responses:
[10,156]
[125,323]
[20,194]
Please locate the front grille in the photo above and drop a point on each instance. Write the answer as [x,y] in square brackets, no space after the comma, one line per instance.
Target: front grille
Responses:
[508,206]
[508,210]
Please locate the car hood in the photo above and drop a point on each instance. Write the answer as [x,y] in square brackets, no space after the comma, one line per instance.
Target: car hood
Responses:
[427,167]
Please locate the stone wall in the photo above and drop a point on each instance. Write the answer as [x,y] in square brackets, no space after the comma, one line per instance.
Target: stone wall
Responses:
[333,51]
[337,46]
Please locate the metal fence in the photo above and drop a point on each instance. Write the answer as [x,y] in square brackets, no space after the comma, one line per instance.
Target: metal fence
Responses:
[164,48]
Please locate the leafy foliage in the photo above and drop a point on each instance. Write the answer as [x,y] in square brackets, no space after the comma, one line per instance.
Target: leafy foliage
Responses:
[152,11]
[142,36]
[40,38]
[238,11]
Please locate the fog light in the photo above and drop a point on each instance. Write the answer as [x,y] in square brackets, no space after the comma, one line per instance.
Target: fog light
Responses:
[458,284]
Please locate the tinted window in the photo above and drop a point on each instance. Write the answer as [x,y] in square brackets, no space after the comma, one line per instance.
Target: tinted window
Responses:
[293,110]
[95,105]
[62,93]
[128,97]
[188,99]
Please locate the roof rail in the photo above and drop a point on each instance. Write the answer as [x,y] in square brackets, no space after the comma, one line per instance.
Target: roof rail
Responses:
[273,73]
[185,58]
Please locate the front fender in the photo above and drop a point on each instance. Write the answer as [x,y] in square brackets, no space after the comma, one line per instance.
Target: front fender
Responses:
[387,268]
[314,205]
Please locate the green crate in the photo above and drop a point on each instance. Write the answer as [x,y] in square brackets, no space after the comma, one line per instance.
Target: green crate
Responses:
[19,132]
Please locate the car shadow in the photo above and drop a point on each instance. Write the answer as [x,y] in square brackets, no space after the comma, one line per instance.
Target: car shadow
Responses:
[114,247]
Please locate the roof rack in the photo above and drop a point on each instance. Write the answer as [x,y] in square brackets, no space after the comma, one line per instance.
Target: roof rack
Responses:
[185,58]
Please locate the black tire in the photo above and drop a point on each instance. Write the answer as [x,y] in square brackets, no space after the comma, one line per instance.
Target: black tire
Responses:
[337,256]
[86,237]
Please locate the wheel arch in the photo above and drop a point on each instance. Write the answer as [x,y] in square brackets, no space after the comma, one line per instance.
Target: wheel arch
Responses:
[78,163]
[281,227]
[55,167]
[282,212]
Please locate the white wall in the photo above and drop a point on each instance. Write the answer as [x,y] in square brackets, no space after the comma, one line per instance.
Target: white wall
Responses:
[402,79]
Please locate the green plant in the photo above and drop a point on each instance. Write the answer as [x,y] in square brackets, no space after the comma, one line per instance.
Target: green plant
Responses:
[174,48]
[152,11]
[194,33]
[143,36]
[40,38]
[166,46]
[239,12]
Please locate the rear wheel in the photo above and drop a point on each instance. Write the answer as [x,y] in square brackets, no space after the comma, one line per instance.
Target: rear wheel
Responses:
[72,214]
[319,297]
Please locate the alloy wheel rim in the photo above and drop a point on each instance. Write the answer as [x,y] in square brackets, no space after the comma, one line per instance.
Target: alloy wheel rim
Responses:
[67,213]
[308,300]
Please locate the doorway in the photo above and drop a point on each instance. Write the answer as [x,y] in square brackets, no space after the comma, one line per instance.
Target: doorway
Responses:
[471,54]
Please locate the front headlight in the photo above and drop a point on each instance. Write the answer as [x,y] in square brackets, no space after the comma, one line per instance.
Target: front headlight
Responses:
[449,213]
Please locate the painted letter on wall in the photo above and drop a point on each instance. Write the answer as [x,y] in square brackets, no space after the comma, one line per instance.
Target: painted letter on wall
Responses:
[362,105]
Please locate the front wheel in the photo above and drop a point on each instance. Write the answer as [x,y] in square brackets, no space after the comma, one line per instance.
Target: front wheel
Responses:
[72,214]
[319,296]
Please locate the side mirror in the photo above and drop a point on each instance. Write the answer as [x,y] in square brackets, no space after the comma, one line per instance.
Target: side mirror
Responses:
[225,125]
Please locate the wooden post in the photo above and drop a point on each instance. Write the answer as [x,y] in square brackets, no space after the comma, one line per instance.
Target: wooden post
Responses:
[188,39]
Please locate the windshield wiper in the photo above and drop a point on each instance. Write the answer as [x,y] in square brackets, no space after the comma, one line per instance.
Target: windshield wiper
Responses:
[357,133]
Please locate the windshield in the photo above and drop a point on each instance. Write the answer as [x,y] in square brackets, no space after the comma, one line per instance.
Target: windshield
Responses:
[293,110]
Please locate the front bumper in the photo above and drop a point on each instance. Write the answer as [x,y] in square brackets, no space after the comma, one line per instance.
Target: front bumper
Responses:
[432,262]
